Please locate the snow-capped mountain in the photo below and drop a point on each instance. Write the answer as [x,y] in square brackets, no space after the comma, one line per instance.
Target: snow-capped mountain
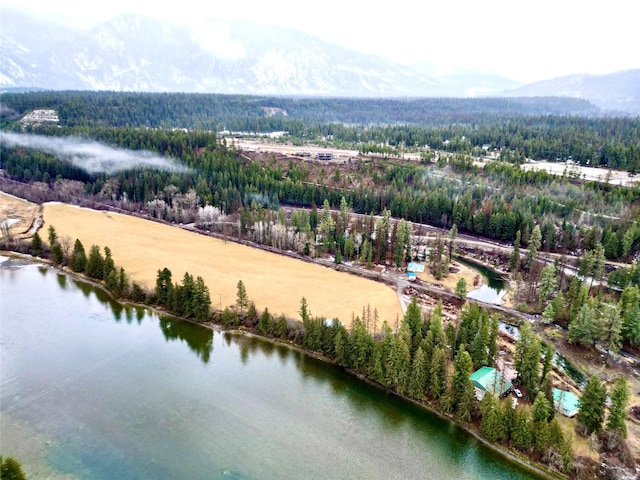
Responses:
[135,53]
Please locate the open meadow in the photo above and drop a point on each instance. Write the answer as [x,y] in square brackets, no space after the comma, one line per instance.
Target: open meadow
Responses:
[142,247]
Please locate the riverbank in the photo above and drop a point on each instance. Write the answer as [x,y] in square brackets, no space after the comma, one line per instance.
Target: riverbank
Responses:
[507,454]
[504,452]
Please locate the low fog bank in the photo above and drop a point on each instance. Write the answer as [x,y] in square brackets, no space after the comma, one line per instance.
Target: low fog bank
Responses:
[91,156]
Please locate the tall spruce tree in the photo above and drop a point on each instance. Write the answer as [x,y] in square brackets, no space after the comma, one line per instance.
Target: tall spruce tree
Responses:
[592,405]
[617,412]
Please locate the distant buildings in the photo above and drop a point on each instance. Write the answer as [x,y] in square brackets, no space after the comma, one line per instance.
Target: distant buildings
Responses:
[415,267]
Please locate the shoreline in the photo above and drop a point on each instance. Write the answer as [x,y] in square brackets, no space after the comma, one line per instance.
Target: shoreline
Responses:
[500,450]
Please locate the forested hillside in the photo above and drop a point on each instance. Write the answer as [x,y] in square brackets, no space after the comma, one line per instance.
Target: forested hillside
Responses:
[555,129]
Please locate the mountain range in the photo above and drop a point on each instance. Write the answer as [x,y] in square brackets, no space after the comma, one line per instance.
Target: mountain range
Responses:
[136,53]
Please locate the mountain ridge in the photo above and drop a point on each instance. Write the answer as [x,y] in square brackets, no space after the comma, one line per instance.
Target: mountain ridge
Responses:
[135,53]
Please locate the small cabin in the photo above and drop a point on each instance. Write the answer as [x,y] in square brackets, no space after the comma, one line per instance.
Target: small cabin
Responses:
[489,379]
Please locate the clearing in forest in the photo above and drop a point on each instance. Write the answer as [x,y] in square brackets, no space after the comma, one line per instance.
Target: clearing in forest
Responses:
[142,247]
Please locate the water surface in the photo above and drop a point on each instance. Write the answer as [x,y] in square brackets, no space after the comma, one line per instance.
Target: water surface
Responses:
[92,389]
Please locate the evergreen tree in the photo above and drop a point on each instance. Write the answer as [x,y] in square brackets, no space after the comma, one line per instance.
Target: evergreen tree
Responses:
[548,282]
[10,469]
[438,373]
[52,237]
[123,284]
[461,386]
[36,244]
[242,299]
[78,260]
[535,240]
[95,263]
[492,347]
[549,314]
[592,403]
[282,328]
[586,327]
[522,432]
[492,424]
[340,348]
[201,303]
[630,313]
[399,366]
[514,260]
[265,324]
[617,412]
[461,288]
[547,350]
[164,287]
[417,380]
[527,358]
[107,264]
[479,346]
[612,329]
[413,317]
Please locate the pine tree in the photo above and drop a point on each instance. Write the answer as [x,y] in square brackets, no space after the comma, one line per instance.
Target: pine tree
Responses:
[461,386]
[617,412]
[548,282]
[592,403]
[95,263]
[587,326]
[10,469]
[164,287]
[339,348]
[492,424]
[107,264]
[438,373]
[630,313]
[78,260]
[36,244]
[522,432]
[514,260]
[413,317]
[52,237]
[547,365]
[527,358]
[612,329]
[242,299]
[417,380]
[535,240]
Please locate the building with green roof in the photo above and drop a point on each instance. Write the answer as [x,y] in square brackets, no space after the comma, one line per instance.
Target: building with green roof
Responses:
[488,379]
[567,403]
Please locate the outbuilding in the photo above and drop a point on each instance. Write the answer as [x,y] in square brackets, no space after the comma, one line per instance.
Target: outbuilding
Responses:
[565,402]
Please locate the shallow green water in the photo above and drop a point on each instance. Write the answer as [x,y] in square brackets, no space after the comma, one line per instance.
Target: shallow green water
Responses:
[91,389]
[493,290]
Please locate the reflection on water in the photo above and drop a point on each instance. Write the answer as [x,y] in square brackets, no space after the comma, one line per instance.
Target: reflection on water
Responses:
[200,341]
[493,291]
[107,398]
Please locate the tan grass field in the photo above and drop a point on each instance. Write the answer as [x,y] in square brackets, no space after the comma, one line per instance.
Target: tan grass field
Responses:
[143,247]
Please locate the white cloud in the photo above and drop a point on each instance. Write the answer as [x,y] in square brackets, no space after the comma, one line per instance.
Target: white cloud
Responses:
[216,37]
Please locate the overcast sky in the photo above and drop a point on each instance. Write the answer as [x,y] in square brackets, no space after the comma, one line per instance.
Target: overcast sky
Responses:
[526,41]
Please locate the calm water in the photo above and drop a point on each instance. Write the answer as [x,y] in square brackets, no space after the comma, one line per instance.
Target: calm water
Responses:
[92,390]
[493,290]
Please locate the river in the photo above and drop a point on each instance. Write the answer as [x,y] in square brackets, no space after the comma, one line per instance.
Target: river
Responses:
[93,389]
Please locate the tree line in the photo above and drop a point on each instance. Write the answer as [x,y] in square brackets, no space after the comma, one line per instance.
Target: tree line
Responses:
[425,357]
